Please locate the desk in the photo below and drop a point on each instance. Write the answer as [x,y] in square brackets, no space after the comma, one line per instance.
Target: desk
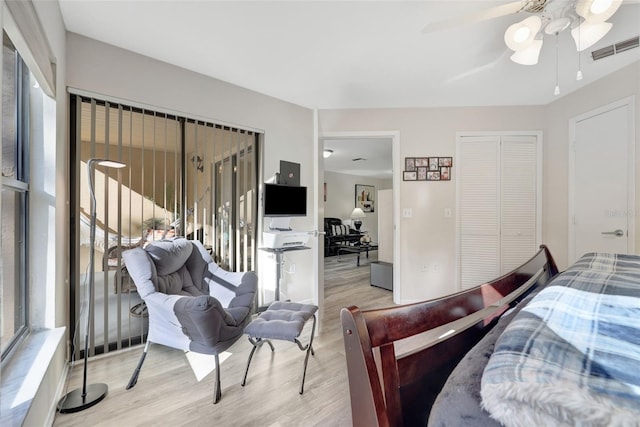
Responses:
[279,252]
[357,249]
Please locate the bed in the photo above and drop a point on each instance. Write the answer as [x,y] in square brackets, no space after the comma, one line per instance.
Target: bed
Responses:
[533,347]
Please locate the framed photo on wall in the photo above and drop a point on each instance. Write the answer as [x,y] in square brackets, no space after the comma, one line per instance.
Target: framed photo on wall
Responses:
[445,161]
[409,176]
[409,164]
[365,197]
[422,161]
[445,173]
[422,173]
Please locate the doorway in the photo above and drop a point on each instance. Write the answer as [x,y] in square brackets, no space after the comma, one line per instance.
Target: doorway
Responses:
[601,180]
[332,140]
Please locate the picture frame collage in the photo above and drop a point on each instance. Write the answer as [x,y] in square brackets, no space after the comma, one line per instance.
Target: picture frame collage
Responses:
[427,168]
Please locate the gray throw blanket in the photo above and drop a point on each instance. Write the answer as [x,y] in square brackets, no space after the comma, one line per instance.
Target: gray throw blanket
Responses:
[572,355]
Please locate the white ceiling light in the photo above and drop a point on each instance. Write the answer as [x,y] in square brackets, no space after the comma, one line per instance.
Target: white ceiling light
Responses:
[595,11]
[528,55]
[521,34]
[586,18]
[327,153]
[587,34]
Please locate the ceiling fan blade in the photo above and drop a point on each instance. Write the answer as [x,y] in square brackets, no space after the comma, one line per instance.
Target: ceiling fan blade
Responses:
[483,15]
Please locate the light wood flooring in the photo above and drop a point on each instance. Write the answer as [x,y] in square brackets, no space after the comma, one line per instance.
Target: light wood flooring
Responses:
[168,393]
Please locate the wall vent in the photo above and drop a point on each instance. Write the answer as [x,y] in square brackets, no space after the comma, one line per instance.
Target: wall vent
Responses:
[604,52]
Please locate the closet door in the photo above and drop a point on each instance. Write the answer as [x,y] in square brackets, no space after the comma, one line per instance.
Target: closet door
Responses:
[518,216]
[479,209]
[498,205]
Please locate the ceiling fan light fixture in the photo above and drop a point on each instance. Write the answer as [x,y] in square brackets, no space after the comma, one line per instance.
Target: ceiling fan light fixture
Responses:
[528,55]
[596,11]
[587,34]
[522,34]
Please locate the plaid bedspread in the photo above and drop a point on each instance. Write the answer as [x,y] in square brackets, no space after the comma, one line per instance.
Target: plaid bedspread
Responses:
[572,355]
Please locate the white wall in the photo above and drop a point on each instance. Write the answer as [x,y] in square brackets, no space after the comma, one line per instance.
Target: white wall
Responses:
[428,238]
[107,70]
[341,198]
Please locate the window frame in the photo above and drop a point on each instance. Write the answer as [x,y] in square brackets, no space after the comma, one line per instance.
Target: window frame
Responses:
[20,185]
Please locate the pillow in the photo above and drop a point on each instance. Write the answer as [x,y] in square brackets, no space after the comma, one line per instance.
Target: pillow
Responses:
[339,230]
[169,255]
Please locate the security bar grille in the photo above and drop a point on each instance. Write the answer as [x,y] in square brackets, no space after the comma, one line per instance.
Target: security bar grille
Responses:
[184,177]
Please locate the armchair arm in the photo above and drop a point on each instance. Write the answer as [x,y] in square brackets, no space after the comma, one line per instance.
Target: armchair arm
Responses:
[228,286]
[206,323]
[161,307]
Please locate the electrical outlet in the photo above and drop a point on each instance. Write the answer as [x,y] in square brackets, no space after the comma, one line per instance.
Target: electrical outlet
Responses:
[436,268]
[407,213]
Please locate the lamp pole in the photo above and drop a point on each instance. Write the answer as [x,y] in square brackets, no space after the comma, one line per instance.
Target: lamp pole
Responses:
[89,395]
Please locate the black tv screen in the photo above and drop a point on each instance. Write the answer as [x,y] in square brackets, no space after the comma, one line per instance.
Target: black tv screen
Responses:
[285,200]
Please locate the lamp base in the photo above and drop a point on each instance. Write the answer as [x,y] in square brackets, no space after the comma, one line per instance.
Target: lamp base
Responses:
[357,224]
[74,402]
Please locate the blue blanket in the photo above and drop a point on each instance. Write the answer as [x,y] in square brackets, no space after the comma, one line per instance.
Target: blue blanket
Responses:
[572,355]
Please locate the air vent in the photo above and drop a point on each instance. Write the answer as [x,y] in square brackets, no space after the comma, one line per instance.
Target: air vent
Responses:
[631,43]
[534,6]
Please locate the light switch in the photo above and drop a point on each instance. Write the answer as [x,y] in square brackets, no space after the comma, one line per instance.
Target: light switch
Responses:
[447,212]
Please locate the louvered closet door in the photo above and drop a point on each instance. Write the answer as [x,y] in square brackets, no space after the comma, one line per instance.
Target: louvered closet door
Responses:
[497,205]
[479,209]
[518,215]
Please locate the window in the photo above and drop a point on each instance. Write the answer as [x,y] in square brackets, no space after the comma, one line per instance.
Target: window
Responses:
[14,205]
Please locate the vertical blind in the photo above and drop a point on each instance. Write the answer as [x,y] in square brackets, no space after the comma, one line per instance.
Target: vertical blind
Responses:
[183,177]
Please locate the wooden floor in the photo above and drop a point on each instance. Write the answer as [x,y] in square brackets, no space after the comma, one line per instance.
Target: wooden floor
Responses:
[168,393]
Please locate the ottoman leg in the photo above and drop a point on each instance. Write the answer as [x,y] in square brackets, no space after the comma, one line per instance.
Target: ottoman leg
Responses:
[257,343]
[306,357]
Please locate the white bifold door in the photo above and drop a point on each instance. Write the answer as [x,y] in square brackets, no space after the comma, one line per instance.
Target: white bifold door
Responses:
[498,200]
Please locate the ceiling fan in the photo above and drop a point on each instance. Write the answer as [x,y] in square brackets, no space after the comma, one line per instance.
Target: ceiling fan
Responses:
[586,20]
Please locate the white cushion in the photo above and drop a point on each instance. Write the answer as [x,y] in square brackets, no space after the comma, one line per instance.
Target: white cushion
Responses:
[339,230]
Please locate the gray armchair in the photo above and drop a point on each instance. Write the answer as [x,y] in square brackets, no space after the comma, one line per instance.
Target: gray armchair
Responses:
[193,304]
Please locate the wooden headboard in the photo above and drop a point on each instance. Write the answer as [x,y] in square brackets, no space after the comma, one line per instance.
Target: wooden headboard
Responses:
[398,358]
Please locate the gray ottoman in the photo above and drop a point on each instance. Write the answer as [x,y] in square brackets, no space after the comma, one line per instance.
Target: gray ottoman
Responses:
[282,321]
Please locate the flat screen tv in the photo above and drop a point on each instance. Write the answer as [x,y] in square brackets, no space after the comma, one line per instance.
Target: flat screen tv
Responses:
[284,200]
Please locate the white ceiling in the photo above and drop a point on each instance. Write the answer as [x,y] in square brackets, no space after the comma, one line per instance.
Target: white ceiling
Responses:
[358,54]
[373,157]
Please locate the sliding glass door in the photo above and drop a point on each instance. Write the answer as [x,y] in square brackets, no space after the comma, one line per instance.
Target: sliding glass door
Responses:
[183,177]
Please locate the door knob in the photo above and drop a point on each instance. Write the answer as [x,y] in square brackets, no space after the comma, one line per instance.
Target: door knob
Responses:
[618,233]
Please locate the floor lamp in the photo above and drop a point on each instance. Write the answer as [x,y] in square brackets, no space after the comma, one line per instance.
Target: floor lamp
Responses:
[81,399]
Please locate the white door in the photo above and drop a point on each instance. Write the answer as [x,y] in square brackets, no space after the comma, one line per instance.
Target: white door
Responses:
[603,171]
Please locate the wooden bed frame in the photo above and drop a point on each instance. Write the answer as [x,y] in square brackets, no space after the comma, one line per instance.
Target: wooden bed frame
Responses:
[398,358]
